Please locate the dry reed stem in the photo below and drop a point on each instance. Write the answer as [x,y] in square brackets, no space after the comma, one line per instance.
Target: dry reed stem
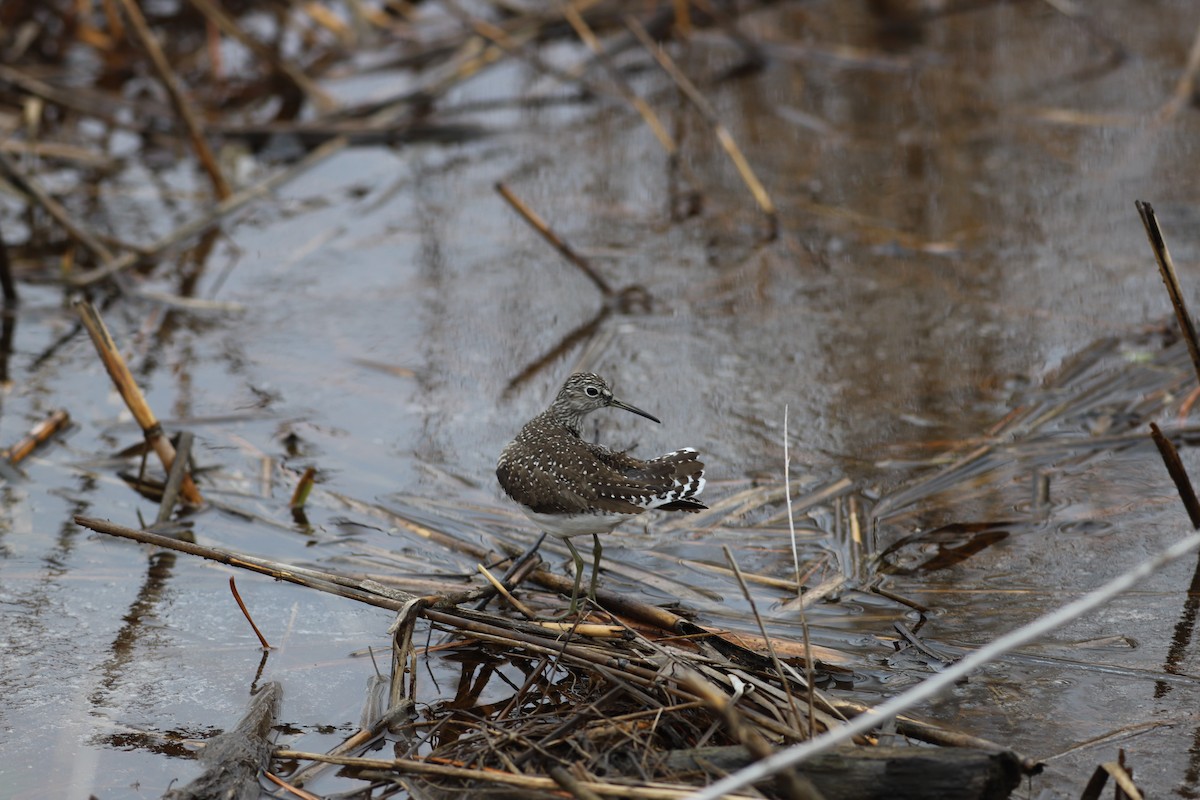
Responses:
[123,379]
[762,629]
[363,591]
[588,37]
[178,99]
[792,785]
[502,590]
[787,495]
[1125,788]
[246,613]
[808,662]
[1166,268]
[645,791]
[709,113]
[1178,473]
[538,224]
[404,655]
[291,789]
[37,436]
[175,476]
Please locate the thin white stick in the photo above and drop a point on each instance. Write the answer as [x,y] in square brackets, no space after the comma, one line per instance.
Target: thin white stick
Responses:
[787,493]
[808,656]
[877,716]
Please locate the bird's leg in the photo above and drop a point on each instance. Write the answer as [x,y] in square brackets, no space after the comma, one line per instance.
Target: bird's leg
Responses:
[578,576]
[596,550]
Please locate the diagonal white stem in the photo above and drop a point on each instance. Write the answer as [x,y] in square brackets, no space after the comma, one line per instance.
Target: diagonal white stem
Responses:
[923,691]
[787,493]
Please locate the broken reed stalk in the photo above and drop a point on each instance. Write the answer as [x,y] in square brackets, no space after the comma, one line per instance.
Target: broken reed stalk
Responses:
[1178,473]
[179,100]
[502,590]
[39,435]
[175,475]
[538,224]
[571,784]
[246,613]
[123,379]
[1166,268]
[404,654]
[710,115]
[1125,788]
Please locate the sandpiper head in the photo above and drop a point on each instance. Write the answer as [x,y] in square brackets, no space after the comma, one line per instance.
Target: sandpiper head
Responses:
[583,393]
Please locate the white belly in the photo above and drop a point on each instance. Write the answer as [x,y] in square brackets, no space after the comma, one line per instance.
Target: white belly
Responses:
[564,526]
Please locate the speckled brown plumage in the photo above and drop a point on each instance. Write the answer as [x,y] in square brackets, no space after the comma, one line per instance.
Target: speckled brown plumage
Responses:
[569,486]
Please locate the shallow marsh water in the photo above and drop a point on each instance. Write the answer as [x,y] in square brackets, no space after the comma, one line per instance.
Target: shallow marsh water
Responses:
[956,208]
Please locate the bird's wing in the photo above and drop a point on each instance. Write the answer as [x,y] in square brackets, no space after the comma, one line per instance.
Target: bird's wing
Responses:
[544,486]
[665,482]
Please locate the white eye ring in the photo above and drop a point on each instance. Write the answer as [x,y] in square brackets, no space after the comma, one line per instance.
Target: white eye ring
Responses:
[592,391]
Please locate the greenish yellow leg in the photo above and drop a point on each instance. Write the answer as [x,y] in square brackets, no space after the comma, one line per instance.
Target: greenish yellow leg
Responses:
[578,576]
[596,550]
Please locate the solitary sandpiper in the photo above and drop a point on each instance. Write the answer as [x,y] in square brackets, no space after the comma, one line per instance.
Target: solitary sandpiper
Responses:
[570,487]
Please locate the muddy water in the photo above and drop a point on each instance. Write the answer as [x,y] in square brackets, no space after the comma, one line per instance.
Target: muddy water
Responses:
[956,208]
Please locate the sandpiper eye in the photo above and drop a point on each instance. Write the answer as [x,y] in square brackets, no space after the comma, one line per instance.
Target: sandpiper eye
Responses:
[592,391]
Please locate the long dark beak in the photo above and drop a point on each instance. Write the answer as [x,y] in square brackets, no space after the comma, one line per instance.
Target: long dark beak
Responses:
[618,404]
